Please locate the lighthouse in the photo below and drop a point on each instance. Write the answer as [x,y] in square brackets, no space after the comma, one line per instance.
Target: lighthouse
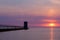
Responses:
[25,25]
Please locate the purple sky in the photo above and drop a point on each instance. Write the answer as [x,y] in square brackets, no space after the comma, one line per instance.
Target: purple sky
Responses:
[15,12]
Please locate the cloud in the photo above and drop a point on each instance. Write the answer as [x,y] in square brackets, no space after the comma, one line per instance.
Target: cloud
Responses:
[33,7]
[55,1]
[34,11]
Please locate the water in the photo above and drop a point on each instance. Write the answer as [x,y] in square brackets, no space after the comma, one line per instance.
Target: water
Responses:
[32,34]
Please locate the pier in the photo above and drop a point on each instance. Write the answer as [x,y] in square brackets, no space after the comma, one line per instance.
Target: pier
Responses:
[4,28]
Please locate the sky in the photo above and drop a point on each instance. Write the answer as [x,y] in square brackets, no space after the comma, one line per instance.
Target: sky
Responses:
[36,12]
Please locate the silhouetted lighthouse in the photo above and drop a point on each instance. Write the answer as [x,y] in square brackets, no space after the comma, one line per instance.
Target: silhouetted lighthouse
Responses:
[25,25]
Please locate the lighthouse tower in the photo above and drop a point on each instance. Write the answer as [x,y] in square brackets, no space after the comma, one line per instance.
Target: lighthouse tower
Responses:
[25,25]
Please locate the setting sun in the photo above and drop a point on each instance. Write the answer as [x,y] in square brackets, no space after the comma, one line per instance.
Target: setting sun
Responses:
[52,24]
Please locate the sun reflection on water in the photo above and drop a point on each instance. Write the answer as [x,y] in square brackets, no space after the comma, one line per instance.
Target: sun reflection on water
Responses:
[52,34]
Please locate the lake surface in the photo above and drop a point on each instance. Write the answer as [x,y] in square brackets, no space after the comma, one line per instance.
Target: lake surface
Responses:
[32,34]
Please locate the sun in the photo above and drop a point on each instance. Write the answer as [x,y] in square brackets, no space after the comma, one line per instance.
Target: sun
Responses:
[52,24]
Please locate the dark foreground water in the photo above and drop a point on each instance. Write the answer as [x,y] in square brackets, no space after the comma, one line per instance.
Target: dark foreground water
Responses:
[32,34]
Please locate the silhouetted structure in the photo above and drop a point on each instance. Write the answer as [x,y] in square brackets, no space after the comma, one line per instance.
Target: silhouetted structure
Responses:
[11,28]
[25,25]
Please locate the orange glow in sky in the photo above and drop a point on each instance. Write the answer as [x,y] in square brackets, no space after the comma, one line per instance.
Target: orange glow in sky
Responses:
[50,23]
[51,12]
